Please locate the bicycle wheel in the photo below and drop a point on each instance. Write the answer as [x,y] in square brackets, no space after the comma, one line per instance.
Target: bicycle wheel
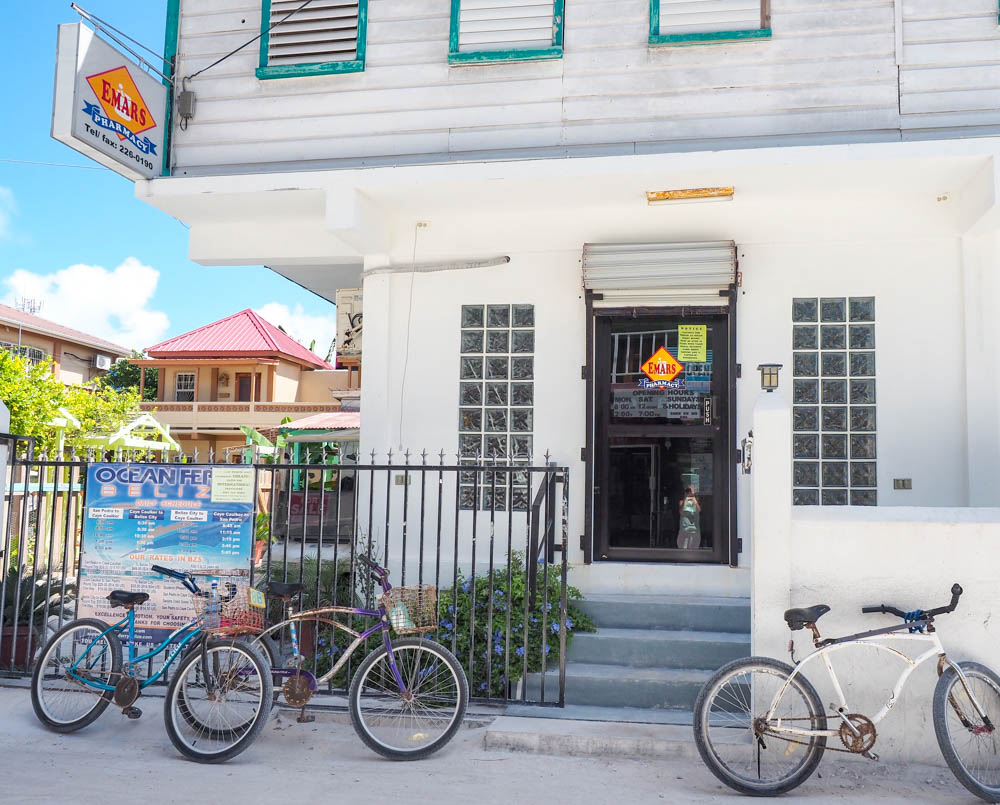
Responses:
[739,746]
[970,746]
[191,712]
[416,724]
[212,720]
[62,700]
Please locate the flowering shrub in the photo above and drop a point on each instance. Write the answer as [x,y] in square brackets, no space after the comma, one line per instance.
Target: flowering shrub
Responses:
[489,607]
[323,644]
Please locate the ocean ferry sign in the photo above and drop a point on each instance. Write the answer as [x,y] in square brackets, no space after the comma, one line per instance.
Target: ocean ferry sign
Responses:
[106,106]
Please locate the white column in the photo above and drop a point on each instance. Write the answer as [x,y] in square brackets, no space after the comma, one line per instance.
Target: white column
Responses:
[980,267]
[380,380]
[771,482]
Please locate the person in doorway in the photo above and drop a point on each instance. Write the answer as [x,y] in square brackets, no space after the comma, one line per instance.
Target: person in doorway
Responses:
[689,533]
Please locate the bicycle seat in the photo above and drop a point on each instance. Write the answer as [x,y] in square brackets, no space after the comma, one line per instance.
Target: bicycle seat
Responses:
[802,617]
[282,590]
[123,598]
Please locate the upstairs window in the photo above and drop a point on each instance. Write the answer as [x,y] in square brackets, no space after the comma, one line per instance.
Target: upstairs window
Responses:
[505,30]
[30,355]
[695,22]
[184,387]
[326,36]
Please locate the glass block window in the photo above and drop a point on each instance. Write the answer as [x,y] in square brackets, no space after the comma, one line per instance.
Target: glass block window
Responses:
[496,400]
[833,401]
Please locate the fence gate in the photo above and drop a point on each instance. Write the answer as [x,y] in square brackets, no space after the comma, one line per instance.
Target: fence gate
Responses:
[491,535]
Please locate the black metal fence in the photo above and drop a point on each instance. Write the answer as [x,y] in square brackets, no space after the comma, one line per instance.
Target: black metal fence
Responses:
[491,535]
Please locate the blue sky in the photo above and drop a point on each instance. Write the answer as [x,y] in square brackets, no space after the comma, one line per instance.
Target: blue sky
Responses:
[131,280]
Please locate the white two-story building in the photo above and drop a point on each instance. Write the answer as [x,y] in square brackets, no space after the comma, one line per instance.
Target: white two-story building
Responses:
[538,196]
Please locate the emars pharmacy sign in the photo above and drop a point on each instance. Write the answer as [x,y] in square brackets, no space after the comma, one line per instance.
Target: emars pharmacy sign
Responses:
[106,106]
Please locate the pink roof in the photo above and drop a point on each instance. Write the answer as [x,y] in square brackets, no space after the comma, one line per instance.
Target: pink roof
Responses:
[242,335]
[11,315]
[332,420]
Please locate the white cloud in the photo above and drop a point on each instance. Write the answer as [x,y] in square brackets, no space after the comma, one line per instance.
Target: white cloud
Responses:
[7,209]
[302,326]
[108,304]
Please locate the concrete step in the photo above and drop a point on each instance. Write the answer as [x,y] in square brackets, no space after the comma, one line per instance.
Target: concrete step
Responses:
[658,648]
[669,612]
[621,686]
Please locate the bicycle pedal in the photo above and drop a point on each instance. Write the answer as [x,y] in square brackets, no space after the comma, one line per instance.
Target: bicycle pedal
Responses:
[132,712]
[870,756]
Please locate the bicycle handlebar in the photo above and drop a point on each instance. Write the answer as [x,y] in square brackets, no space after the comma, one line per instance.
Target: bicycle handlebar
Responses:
[376,569]
[184,578]
[885,609]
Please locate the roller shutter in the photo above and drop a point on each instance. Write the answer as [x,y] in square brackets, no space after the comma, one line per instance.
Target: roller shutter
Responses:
[650,274]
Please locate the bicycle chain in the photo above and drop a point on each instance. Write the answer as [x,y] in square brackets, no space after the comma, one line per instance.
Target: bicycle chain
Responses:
[803,743]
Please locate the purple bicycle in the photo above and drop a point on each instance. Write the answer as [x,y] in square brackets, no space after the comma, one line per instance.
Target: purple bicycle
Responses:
[409,695]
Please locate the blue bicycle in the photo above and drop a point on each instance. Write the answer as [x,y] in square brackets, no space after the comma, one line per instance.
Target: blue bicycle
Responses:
[217,701]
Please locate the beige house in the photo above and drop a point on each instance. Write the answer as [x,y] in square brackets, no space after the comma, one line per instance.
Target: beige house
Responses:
[240,370]
[77,357]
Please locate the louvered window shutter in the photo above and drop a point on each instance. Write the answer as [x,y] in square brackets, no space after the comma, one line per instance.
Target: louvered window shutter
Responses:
[708,16]
[505,24]
[323,31]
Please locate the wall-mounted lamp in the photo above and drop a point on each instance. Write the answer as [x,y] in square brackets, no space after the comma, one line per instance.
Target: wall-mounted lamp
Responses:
[223,379]
[769,376]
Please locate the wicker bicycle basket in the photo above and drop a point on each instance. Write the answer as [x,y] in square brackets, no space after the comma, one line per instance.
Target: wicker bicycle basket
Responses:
[232,613]
[412,610]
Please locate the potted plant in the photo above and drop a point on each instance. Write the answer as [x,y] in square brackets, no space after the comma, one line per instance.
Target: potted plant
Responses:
[262,536]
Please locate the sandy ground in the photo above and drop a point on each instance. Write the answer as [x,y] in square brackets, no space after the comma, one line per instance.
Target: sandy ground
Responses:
[120,761]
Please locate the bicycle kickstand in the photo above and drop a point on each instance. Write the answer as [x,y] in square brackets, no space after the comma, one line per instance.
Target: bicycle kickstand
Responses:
[303,718]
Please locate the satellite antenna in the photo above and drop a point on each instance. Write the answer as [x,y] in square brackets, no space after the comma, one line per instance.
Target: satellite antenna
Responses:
[31,307]
[27,305]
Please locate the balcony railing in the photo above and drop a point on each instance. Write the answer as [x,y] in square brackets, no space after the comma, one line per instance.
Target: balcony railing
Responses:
[214,414]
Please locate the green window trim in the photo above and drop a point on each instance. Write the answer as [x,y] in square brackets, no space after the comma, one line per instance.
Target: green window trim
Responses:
[171,30]
[555,51]
[265,72]
[707,38]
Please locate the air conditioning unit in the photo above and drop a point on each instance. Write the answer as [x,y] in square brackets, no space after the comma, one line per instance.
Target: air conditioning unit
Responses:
[102,362]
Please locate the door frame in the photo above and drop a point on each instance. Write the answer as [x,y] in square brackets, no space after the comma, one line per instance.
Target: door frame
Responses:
[729,542]
[255,383]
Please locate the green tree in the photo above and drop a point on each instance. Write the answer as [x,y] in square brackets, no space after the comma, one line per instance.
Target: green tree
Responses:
[33,395]
[103,410]
[124,376]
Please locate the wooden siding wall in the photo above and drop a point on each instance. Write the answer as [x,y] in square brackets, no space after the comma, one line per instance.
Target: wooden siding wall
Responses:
[950,69]
[829,74]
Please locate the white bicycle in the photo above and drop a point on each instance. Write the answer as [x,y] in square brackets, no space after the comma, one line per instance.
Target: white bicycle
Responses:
[761,728]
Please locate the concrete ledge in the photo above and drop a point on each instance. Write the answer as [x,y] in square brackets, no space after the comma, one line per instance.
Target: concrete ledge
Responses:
[590,738]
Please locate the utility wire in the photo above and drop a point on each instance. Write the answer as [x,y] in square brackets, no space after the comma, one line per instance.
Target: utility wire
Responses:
[53,164]
[406,349]
[249,42]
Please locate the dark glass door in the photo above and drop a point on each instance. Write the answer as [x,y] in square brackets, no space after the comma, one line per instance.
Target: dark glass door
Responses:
[661,475]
